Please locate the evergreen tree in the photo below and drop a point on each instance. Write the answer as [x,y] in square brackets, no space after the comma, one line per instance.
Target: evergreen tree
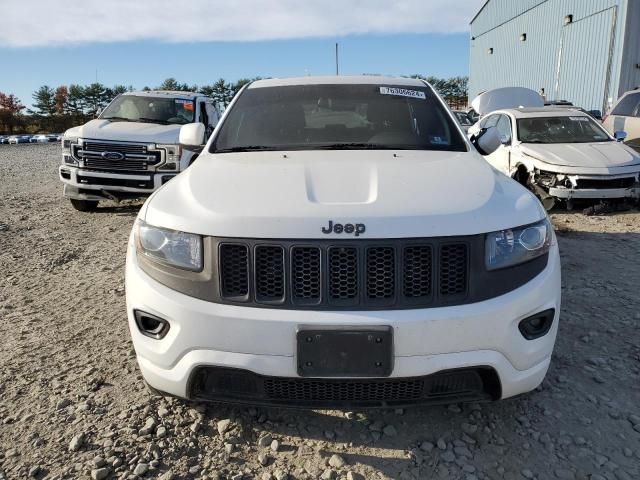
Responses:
[44,101]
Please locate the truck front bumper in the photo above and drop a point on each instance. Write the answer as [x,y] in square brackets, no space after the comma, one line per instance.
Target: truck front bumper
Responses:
[209,345]
[85,184]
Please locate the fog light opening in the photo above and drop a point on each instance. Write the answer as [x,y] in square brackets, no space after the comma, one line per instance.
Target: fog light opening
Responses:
[151,325]
[537,325]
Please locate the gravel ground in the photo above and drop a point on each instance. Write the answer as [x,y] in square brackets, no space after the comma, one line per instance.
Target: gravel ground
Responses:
[73,405]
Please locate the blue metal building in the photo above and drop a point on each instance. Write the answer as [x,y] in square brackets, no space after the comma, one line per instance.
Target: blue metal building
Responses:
[583,51]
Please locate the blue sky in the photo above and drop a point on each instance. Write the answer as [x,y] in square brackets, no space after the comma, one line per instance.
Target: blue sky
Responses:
[143,42]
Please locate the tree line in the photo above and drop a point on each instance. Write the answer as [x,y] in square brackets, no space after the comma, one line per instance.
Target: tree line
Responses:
[60,108]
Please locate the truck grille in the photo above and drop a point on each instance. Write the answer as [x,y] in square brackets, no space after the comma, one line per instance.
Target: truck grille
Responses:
[347,274]
[134,156]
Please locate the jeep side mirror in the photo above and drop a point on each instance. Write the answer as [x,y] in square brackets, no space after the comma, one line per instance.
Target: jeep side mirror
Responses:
[487,140]
[619,135]
[192,136]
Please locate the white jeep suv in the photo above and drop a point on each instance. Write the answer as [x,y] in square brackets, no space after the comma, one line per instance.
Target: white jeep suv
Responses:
[341,243]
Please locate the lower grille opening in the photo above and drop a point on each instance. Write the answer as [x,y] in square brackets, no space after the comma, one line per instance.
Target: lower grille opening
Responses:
[590,183]
[241,386]
[116,182]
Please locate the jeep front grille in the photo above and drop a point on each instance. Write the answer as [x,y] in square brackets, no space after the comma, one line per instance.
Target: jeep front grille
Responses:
[343,274]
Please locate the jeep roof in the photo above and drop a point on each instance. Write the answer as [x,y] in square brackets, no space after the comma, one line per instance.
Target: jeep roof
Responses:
[338,80]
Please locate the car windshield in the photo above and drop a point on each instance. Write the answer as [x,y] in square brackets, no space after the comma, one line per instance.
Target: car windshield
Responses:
[134,108]
[338,116]
[561,129]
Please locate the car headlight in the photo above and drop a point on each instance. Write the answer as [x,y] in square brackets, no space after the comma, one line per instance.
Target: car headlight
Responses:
[517,245]
[178,249]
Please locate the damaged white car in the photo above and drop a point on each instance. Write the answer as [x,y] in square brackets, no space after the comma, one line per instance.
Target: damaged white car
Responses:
[560,154]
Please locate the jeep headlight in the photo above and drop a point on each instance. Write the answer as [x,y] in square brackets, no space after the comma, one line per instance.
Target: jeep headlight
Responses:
[178,249]
[517,245]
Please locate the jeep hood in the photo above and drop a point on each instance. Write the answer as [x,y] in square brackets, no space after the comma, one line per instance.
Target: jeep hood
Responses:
[588,155]
[127,131]
[295,194]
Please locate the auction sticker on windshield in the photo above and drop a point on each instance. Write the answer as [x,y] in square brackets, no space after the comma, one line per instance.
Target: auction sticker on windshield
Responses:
[402,92]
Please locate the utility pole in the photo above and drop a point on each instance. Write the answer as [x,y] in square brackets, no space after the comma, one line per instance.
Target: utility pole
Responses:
[337,73]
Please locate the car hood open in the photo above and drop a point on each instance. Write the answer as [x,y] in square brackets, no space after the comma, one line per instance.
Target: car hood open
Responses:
[294,194]
[127,131]
[506,97]
[587,155]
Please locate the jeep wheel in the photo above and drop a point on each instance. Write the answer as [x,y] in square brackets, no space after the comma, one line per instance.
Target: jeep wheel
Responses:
[84,205]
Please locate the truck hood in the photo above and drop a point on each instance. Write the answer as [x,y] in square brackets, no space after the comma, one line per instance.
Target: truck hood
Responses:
[587,155]
[296,194]
[126,131]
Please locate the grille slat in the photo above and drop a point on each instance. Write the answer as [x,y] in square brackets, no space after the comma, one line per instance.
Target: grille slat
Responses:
[306,277]
[453,269]
[117,165]
[269,270]
[357,274]
[343,273]
[234,269]
[381,272]
[417,272]
[115,147]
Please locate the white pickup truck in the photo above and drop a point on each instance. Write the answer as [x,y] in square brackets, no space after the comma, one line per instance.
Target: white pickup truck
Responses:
[132,148]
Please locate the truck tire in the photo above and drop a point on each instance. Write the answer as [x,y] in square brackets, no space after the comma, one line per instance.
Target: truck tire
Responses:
[84,205]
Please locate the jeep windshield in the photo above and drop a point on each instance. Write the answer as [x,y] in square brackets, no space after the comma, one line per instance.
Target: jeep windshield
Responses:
[561,129]
[134,108]
[338,117]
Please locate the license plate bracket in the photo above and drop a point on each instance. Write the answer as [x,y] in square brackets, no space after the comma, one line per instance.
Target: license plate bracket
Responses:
[352,352]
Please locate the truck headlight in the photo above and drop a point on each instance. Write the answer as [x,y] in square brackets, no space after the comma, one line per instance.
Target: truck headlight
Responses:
[178,249]
[517,245]
[172,156]
[68,142]
[67,150]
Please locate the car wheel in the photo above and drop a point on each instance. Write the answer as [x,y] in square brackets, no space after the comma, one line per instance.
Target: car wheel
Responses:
[84,205]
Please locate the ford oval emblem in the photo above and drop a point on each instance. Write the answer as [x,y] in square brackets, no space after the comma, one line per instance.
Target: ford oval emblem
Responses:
[112,155]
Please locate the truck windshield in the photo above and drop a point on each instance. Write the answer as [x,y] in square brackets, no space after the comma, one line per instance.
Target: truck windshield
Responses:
[338,116]
[134,108]
[574,129]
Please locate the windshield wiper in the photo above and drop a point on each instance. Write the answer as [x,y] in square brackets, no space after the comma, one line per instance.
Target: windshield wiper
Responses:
[124,119]
[152,120]
[362,146]
[246,148]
